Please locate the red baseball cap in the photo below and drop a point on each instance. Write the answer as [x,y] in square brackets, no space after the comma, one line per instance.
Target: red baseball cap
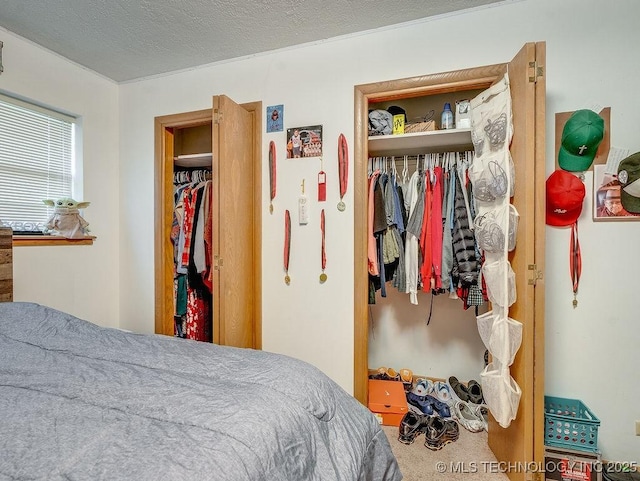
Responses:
[565,195]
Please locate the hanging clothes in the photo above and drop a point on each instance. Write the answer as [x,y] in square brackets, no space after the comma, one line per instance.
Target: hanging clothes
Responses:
[420,232]
[191,238]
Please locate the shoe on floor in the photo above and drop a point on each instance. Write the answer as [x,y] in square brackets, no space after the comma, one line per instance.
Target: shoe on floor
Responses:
[443,392]
[423,387]
[428,405]
[406,376]
[468,418]
[475,392]
[459,389]
[411,426]
[420,404]
[385,374]
[440,432]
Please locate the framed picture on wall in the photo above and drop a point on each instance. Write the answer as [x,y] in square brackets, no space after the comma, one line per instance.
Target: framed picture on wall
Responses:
[304,142]
[606,197]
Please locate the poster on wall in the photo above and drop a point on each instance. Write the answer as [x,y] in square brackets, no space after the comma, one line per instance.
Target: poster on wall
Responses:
[275,118]
[304,142]
[606,197]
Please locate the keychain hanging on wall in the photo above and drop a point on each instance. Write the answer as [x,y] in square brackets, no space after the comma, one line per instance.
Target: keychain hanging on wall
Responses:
[343,169]
[272,173]
[322,184]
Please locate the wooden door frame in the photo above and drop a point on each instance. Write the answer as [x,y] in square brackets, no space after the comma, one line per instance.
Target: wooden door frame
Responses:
[530,62]
[163,208]
[460,80]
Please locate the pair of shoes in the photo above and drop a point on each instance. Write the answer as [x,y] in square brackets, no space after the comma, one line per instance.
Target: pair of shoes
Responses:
[459,389]
[423,387]
[427,405]
[475,392]
[469,418]
[440,432]
[385,374]
[406,376]
[411,426]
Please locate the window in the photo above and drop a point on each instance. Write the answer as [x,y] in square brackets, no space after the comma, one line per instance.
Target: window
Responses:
[37,153]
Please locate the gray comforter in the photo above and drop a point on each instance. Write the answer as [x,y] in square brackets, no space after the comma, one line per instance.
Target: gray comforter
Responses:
[81,402]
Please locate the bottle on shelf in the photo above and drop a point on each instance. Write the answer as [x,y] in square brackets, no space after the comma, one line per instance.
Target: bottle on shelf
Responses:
[446,120]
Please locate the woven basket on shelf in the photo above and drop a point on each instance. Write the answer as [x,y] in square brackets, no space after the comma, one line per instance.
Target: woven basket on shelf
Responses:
[419,127]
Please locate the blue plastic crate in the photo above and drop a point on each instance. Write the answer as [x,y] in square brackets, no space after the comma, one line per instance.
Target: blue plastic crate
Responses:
[570,424]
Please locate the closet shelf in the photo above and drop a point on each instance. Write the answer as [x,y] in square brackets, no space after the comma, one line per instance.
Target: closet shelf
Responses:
[421,142]
[194,160]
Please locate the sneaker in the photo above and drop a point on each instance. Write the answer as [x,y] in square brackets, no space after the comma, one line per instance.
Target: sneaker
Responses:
[406,376]
[443,392]
[459,389]
[440,432]
[385,374]
[420,404]
[427,405]
[475,392]
[411,426]
[423,387]
[468,418]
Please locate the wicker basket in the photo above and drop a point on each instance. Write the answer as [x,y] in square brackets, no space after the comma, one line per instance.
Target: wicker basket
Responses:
[419,127]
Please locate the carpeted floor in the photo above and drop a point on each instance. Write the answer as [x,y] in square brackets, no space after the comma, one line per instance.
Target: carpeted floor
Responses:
[469,458]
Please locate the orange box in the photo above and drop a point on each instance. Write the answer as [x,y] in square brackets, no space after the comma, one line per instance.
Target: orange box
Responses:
[388,401]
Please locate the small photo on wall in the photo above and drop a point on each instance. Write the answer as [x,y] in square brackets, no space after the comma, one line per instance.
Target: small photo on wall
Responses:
[275,118]
[607,205]
[304,142]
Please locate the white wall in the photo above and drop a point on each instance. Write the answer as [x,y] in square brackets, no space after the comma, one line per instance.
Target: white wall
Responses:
[591,352]
[82,280]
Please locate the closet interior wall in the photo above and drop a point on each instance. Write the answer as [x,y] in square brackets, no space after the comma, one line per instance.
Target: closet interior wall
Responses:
[403,157]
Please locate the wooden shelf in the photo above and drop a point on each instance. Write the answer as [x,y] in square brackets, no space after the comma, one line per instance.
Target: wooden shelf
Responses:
[50,240]
[194,160]
[421,142]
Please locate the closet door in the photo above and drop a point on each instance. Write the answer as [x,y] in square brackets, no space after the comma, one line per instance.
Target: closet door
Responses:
[236,226]
[236,256]
[523,442]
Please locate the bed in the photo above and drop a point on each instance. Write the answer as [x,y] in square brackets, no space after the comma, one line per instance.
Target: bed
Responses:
[83,402]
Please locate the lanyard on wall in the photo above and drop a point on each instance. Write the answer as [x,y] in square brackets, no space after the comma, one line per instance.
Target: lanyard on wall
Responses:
[272,173]
[323,276]
[343,168]
[575,262]
[287,245]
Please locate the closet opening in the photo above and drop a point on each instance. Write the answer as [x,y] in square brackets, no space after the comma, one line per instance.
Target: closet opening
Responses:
[522,441]
[208,166]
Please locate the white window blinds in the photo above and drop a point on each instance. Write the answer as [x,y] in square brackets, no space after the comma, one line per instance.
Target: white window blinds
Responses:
[36,162]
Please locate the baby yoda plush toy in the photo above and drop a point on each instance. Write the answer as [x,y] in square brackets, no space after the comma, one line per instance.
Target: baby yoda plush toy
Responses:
[66,220]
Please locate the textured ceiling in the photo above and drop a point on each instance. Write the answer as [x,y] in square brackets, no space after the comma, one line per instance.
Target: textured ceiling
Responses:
[129,39]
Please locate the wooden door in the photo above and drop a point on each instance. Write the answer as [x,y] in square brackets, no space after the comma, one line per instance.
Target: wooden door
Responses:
[523,442]
[236,228]
[237,216]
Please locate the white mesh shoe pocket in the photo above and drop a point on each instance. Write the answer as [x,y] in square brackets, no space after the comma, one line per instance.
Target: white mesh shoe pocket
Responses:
[488,176]
[501,393]
[491,122]
[498,290]
[501,335]
[490,228]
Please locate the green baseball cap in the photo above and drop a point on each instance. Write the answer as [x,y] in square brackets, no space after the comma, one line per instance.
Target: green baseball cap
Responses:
[629,178]
[581,137]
